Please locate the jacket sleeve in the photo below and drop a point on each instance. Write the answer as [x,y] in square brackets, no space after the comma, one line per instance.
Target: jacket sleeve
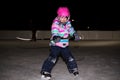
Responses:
[55,28]
[71,29]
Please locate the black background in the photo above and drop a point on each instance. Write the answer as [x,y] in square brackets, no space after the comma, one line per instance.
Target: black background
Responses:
[88,15]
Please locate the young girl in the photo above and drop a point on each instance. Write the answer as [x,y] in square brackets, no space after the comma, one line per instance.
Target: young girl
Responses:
[61,30]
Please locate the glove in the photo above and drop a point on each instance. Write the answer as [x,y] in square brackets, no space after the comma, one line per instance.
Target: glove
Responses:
[76,36]
[56,39]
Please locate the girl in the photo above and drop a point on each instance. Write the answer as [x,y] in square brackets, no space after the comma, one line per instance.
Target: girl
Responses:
[61,30]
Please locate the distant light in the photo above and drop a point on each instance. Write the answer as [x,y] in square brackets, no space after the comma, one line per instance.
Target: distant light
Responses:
[72,20]
[88,27]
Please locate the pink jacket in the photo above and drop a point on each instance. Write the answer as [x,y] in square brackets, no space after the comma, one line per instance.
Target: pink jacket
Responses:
[62,30]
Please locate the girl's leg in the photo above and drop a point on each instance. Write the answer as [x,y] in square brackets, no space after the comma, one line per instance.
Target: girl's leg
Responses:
[51,60]
[70,60]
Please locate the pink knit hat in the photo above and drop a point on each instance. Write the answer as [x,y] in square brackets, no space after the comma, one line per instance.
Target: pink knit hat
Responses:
[63,11]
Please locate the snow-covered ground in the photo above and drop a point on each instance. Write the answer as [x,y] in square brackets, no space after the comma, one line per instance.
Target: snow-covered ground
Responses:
[22,60]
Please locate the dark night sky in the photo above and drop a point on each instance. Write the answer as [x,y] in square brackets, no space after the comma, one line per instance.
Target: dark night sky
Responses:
[98,15]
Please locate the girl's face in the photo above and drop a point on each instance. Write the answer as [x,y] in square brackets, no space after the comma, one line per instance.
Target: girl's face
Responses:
[63,19]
